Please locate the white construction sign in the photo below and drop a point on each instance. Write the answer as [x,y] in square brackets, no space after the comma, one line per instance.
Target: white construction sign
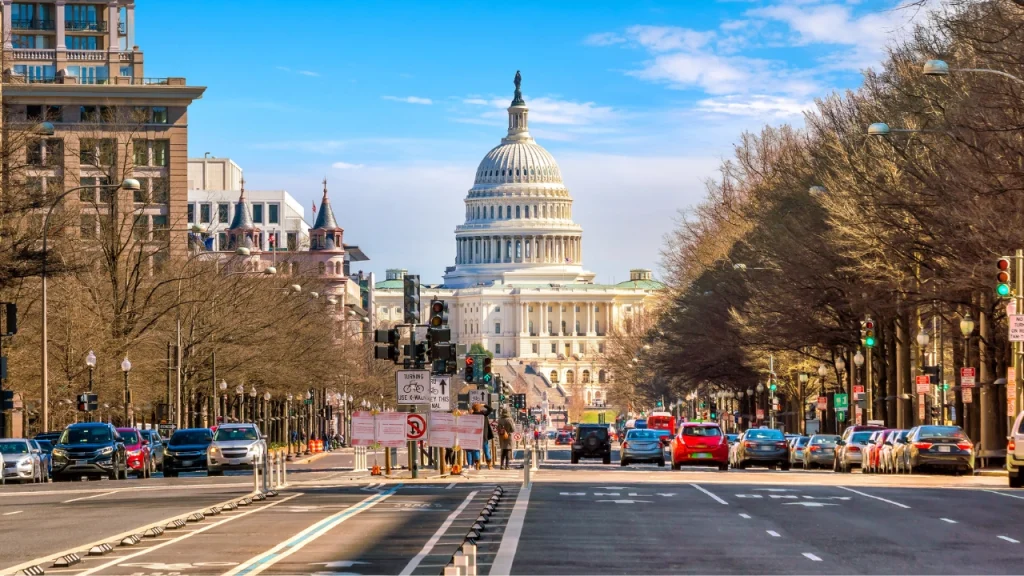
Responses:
[441,430]
[364,432]
[470,431]
[440,393]
[391,429]
[412,387]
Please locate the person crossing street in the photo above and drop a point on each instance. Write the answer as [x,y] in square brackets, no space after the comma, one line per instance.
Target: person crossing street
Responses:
[506,428]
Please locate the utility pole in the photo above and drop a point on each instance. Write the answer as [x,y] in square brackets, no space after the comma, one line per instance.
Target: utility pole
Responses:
[1018,350]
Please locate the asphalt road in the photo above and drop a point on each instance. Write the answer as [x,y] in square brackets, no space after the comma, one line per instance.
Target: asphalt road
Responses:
[587,518]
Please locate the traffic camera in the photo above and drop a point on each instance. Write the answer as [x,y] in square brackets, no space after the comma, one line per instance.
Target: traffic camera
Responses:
[1003,277]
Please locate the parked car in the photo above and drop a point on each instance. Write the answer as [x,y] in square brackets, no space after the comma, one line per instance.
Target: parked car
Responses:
[763,447]
[50,437]
[797,446]
[235,447]
[642,446]
[592,441]
[870,461]
[734,451]
[45,448]
[139,460]
[21,461]
[664,436]
[1015,453]
[156,447]
[820,451]
[894,451]
[92,449]
[701,444]
[186,451]
[941,447]
[563,437]
[850,450]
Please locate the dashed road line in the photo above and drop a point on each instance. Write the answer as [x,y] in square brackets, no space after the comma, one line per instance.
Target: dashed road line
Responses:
[450,486]
[429,546]
[90,497]
[716,498]
[12,513]
[948,520]
[1010,540]
[810,556]
[747,516]
[886,500]
[773,533]
[1004,494]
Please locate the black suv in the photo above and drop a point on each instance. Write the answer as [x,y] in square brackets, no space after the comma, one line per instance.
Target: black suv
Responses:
[592,441]
[92,449]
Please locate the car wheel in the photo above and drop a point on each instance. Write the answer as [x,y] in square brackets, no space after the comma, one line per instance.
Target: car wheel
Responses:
[676,465]
[623,462]
[214,472]
[743,465]
[723,467]
[170,473]
[784,466]
[114,474]
[574,458]
[124,471]
[1015,480]
[661,463]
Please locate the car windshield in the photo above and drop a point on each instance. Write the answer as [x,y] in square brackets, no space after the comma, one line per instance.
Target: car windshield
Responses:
[183,437]
[232,434]
[901,436]
[45,446]
[86,435]
[860,437]
[148,435]
[642,435]
[930,432]
[824,440]
[13,447]
[764,434]
[702,431]
[129,437]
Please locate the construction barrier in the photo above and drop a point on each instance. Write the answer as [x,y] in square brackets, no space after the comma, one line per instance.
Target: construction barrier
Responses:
[359,459]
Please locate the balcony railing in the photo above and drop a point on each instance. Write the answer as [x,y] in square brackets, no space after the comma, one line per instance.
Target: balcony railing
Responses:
[34,54]
[85,26]
[33,24]
[88,55]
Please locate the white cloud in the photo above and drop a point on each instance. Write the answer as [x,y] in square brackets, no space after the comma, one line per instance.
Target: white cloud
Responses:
[712,73]
[308,73]
[299,72]
[347,166]
[409,99]
[758,105]
[544,110]
[603,39]
[669,38]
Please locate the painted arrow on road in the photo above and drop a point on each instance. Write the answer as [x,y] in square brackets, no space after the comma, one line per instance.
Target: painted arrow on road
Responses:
[626,501]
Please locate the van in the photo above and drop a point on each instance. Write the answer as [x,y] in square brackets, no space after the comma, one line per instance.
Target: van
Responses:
[1015,452]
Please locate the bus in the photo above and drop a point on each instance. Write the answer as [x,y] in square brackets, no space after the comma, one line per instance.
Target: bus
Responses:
[662,421]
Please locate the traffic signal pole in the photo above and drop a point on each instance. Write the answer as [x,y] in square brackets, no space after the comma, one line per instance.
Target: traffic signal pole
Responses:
[411,445]
[1018,350]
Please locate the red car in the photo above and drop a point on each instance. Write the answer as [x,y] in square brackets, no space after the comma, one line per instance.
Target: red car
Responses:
[700,444]
[140,459]
[563,438]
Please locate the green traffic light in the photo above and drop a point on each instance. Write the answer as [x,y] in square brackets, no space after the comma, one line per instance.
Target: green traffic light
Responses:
[1003,289]
[869,341]
[772,386]
[487,377]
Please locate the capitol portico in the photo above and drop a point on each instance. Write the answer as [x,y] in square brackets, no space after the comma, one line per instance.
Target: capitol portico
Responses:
[518,286]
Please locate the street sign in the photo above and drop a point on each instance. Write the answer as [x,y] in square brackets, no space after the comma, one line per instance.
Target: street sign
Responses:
[841,416]
[967,377]
[391,429]
[842,402]
[920,407]
[517,437]
[470,431]
[363,430]
[1011,307]
[416,426]
[412,387]
[967,394]
[1016,323]
[760,414]
[440,393]
[442,430]
[822,402]
[924,384]
[1011,394]
[477,397]
[858,391]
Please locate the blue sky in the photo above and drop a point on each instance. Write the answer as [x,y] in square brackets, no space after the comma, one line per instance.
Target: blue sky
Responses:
[396,102]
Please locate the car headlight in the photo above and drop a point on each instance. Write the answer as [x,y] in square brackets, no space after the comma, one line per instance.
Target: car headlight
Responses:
[106,450]
[167,452]
[26,461]
[134,452]
[214,450]
[59,452]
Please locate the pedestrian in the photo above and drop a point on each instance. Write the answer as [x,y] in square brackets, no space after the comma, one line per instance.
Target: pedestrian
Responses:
[506,428]
[485,411]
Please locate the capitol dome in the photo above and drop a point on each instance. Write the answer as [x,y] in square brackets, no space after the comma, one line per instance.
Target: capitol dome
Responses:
[518,161]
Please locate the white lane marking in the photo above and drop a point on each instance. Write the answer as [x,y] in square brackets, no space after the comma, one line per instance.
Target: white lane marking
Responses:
[510,539]
[452,485]
[887,501]
[13,513]
[182,487]
[261,562]
[948,520]
[773,533]
[437,535]
[1010,540]
[716,498]
[117,561]
[1004,494]
[747,516]
[90,497]
[810,556]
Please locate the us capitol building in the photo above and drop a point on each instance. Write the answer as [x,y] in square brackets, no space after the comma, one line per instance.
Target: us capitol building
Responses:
[518,286]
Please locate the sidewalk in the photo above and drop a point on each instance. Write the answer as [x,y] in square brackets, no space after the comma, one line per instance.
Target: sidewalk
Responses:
[991,472]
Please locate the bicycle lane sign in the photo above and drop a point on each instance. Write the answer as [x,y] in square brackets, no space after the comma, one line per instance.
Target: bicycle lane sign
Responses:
[412,387]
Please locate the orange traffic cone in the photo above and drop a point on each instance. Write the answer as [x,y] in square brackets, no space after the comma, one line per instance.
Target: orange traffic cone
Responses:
[375,471]
[456,469]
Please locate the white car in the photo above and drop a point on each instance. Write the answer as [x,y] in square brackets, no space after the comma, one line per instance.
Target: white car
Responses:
[1015,453]
[893,456]
[235,447]
[21,461]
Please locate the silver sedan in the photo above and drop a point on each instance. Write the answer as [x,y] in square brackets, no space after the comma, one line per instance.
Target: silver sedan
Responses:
[642,445]
[21,461]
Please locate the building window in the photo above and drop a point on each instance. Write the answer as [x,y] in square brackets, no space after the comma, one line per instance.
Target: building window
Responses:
[531,328]
[34,153]
[517,211]
[578,331]
[570,377]
[161,150]
[222,242]
[273,216]
[554,348]
[204,213]
[141,196]
[529,308]
[497,348]
[582,347]
[161,190]
[497,308]
[565,332]
[586,376]
[257,213]
[549,326]
[536,348]
[87,194]
[141,152]
[597,326]
[88,226]
[222,212]
[292,241]
[492,212]
[497,327]
[600,347]
[191,213]
[554,377]
[160,228]
[159,115]
[577,309]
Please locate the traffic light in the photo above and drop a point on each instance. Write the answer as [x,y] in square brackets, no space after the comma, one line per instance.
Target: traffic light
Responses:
[438,313]
[469,369]
[487,370]
[936,411]
[1003,277]
[386,344]
[6,400]
[411,299]
[771,385]
[11,310]
[714,410]
[869,333]
[87,402]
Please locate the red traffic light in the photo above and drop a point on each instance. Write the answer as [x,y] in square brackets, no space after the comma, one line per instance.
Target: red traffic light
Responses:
[869,325]
[469,360]
[1003,277]
[1003,263]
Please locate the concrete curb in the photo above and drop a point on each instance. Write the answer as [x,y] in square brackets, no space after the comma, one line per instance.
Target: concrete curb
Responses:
[993,473]
[310,458]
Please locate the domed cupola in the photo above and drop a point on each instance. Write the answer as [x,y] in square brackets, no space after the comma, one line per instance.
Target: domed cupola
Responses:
[326,235]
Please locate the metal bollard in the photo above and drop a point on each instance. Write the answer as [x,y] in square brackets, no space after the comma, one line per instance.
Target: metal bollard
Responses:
[255,475]
[534,456]
[272,457]
[470,551]
[282,478]
[526,468]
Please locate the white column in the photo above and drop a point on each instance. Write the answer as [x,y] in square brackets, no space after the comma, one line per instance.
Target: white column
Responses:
[130,27]
[543,328]
[7,25]
[590,325]
[58,24]
[112,29]
[574,305]
[522,318]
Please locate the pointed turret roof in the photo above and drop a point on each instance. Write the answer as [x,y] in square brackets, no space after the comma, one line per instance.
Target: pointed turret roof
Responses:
[243,218]
[325,216]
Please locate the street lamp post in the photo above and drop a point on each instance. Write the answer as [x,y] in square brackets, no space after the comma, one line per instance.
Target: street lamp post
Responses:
[126,367]
[266,413]
[802,399]
[90,361]
[922,341]
[253,412]
[309,420]
[287,423]
[240,397]
[858,360]
[966,328]
[760,400]
[126,184]
[224,405]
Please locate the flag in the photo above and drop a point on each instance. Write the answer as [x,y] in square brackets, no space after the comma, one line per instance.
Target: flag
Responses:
[314,207]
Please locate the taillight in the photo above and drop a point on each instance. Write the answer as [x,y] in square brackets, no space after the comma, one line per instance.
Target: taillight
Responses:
[964,445]
[780,444]
[748,444]
[922,445]
[1012,444]
[625,444]
[854,449]
[815,448]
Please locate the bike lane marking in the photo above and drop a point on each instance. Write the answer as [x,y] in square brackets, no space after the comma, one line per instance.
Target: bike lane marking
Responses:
[429,546]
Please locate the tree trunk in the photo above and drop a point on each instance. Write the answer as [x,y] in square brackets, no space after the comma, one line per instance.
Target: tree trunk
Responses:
[905,406]
[986,367]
